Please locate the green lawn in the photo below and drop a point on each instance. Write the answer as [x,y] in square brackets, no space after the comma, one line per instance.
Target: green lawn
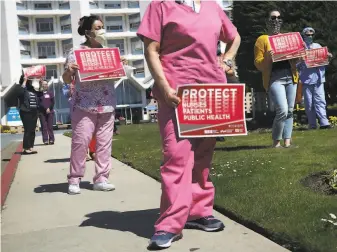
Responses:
[256,185]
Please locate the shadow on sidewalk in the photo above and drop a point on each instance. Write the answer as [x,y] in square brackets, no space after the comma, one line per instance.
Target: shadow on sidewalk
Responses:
[139,222]
[61,187]
[58,160]
[239,148]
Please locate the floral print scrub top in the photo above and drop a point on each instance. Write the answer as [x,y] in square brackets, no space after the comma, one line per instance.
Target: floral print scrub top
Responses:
[92,96]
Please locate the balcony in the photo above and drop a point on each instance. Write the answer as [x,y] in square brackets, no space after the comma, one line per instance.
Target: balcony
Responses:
[101,11]
[55,36]
[35,61]
[117,35]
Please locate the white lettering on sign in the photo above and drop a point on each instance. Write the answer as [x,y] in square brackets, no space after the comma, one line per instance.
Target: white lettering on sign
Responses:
[103,59]
[202,93]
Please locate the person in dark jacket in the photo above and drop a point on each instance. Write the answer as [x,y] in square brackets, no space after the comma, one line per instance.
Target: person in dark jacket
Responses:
[27,93]
[46,109]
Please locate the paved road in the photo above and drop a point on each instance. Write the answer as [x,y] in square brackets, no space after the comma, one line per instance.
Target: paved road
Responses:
[40,216]
[6,139]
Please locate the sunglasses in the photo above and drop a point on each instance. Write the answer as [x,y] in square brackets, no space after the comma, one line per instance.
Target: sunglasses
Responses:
[309,35]
[275,17]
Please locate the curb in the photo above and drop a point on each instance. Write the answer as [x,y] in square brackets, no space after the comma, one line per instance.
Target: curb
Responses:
[9,172]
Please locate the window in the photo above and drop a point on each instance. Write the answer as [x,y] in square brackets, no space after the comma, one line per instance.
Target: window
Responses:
[21,5]
[25,49]
[226,3]
[136,46]
[66,46]
[127,93]
[42,6]
[117,43]
[134,22]
[64,5]
[51,71]
[65,24]
[45,25]
[112,4]
[46,50]
[139,71]
[93,4]
[23,24]
[114,23]
[133,4]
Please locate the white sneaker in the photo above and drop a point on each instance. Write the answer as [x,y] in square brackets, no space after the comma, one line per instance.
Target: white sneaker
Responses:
[74,189]
[103,186]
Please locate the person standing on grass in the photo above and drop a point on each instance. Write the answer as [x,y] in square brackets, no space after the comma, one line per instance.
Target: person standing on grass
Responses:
[279,80]
[46,113]
[93,112]
[180,48]
[313,80]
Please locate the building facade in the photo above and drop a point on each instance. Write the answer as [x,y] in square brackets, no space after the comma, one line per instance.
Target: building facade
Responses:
[42,32]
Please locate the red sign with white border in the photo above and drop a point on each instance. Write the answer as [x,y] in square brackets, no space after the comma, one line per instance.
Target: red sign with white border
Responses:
[316,57]
[99,64]
[287,46]
[211,110]
[35,72]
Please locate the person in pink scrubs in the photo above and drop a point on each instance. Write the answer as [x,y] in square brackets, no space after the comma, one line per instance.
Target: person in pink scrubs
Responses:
[180,43]
[93,112]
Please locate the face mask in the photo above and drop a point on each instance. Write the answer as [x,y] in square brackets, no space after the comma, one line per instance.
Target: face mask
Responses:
[36,84]
[100,37]
[274,26]
[308,40]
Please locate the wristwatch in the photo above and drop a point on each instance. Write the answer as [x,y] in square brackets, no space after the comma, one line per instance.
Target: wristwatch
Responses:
[228,62]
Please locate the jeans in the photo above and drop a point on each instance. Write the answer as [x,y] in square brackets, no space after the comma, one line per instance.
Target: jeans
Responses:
[282,92]
[315,104]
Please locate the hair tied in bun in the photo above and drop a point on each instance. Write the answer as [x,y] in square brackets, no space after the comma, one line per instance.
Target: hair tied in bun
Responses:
[81,21]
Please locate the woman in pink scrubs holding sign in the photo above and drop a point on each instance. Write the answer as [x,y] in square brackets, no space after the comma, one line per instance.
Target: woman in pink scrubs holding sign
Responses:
[180,41]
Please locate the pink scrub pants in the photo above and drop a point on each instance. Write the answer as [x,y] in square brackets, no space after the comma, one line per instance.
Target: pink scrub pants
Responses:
[187,192]
[84,126]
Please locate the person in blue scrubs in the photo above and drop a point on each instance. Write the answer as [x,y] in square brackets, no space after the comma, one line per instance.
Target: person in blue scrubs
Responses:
[313,80]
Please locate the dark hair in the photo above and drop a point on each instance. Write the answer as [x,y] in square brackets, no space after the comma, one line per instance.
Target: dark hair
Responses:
[86,23]
[29,85]
[269,12]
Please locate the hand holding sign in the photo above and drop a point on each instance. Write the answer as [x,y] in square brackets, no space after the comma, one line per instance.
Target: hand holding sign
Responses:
[268,55]
[171,98]
[72,68]
[287,46]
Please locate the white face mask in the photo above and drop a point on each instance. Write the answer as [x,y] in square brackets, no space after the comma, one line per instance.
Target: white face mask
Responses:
[36,84]
[100,37]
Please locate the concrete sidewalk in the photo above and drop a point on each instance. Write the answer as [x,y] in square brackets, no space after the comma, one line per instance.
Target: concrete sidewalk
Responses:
[40,216]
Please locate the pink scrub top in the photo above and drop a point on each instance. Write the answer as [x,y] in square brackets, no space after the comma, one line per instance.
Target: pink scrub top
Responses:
[188,40]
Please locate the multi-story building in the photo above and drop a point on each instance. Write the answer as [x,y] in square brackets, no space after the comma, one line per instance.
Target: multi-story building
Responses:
[42,32]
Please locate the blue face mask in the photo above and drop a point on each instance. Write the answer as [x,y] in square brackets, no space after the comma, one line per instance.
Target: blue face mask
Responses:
[308,40]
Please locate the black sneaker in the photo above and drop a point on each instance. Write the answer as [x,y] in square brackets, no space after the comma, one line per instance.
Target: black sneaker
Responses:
[208,224]
[162,239]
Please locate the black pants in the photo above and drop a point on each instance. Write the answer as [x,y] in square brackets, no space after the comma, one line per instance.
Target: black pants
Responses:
[29,120]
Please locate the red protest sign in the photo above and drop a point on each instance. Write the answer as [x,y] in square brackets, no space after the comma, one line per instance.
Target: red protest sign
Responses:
[35,72]
[287,46]
[316,57]
[211,110]
[99,64]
